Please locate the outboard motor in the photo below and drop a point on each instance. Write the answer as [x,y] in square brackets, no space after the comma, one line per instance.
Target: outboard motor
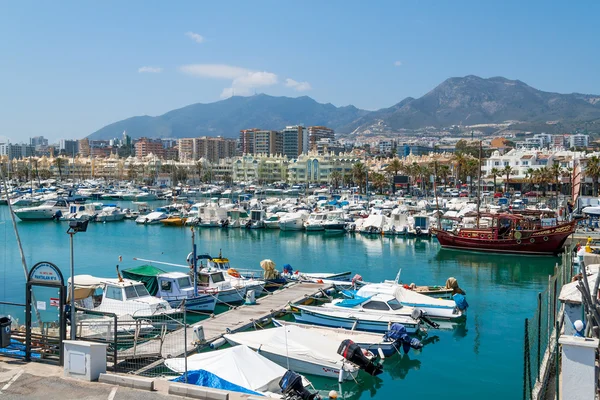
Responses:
[353,353]
[419,315]
[418,231]
[293,389]
[398,335]
[248,224]
[57,215]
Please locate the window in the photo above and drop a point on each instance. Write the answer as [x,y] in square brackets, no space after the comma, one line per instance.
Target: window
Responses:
[204,280]
[496,163]
[394,304]
[166,286]
[141,290]
[525,162]
[376,305]
[184,282]
[130,292]
[217,277]
[113,292]
[506,163]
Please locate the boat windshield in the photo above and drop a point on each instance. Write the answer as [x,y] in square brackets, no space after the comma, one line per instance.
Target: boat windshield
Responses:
[394,304]
[135,291]
[184,282]
[218,277]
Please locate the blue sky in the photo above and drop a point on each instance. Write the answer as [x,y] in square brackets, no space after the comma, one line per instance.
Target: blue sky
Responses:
[69,68]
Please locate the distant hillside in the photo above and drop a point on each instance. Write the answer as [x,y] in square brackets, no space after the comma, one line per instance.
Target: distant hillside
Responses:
[474,100]
[227,117]
[457,101]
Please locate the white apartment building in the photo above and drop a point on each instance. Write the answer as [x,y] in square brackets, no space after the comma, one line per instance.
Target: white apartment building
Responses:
[317,168]
[520,160]
[578,140]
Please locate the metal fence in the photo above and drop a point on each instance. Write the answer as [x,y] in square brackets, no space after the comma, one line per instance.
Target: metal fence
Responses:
[137,343]
[540,341]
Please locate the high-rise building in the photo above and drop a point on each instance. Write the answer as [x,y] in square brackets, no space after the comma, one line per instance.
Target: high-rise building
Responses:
[578,140]
[246,141]
[316,133]
[209,148]
[16,150]
[293,141]
[68,147]
[38,141]
[84,147]
[268,142]
[145,146]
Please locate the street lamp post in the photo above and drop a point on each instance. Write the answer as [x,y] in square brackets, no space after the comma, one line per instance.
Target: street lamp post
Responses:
[74,227]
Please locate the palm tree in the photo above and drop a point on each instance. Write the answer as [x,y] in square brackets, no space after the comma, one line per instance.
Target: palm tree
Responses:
[530,174]
[59,162]
[379,181]
[495,173]
[568,173]
[199,169]
[459,161]
[507,171]
[359,173]
[592,169]
[443,172]
[394,167]
[556,171]
[335,178]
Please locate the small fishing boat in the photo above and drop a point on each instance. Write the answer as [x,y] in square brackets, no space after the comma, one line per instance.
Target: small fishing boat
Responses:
[124,297]
[174,221]
[303,351]
[150,219]
[173,287]
[233,276]
[356,317]
[212,281]
[249,371]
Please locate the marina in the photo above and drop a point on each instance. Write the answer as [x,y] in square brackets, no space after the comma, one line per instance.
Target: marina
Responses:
[501,292]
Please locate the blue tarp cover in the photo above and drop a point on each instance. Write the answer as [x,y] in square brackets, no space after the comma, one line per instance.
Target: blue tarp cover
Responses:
[204,378]
[350,303]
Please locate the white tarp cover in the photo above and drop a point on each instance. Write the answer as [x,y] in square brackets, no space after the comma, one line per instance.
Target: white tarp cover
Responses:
[569,292]
[403,295]
[239,365]
[297,343]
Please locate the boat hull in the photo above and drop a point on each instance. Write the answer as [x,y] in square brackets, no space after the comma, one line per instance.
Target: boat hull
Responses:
[204,303]
[548,241]
[381,326]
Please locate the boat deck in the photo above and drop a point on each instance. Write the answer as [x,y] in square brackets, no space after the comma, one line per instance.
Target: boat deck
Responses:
[236,319]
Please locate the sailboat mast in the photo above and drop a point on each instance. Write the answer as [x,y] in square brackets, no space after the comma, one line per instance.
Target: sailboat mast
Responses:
[437,204]
[479,186]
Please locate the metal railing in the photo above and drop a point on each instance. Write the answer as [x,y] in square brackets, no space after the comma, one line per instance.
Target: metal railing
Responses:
[541,332]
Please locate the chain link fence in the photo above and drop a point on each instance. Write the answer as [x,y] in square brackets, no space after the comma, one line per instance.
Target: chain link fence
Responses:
[540,340]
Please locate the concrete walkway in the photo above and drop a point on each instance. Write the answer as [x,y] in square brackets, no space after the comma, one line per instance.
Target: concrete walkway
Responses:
[34,380]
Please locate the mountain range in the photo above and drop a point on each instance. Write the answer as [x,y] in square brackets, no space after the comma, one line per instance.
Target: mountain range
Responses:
[466,100]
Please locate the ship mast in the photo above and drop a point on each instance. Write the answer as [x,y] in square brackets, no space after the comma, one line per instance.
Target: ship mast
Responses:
[479,186]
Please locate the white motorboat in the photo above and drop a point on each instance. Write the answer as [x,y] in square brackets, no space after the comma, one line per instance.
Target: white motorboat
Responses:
[335,222]
[397,224]
[272,222]
[373,224]
[418,225]
[110,214]
[315,222]
[381,311]
[293,221]
[145,196]
[366,340]
[122,297]
[438,309]
[153,218]
[301,350]
[80,212]
[257,219]
[51,209]
[238,365]
[173,287]
[213,282]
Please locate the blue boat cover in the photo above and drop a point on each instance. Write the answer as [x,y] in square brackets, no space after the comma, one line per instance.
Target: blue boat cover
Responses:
[349,293]
[350,303]
[202,377]
[16,349]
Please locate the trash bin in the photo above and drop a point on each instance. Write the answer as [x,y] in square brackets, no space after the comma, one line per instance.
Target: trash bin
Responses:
[5,323]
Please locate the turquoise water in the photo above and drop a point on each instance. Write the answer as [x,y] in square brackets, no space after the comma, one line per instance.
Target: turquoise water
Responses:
[482,358]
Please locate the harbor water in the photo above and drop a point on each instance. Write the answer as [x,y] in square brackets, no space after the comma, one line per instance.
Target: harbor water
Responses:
[482,357]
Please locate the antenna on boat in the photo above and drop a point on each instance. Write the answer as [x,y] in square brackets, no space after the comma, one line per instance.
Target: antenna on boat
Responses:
[119,274]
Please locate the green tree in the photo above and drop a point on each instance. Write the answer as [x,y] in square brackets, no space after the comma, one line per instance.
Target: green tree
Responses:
[379,181]
[335,178]
[507,171]
[59,163]
[495,173]
[592,170]
[359,173]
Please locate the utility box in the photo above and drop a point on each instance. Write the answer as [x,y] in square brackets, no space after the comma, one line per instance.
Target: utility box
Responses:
[84,360]
[5,323]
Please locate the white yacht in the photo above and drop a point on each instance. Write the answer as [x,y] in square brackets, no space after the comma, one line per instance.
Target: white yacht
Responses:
[293,221]
[110,214]
[315,221]
[52,209]
[152,218]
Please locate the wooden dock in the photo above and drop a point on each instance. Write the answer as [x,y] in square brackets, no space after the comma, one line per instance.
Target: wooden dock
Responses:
[236,319]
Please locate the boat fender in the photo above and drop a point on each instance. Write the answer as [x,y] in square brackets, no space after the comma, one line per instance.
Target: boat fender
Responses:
[199,333]
[380,352]
[217,343]
[460,301]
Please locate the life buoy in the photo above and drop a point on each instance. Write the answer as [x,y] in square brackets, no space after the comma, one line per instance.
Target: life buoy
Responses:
[233,272]
[532,240]
[545,238]
[489,235]
[518,235]
[190,258]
